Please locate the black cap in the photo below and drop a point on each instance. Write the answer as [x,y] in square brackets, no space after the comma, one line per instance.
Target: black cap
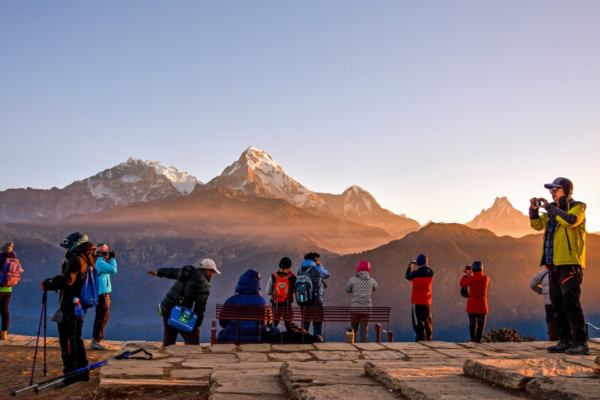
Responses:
[558,183]
[285,263]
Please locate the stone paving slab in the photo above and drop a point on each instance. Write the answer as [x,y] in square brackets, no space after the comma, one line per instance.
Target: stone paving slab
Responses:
[369,346]
[231,396]
[335,347]
[191,373]
[441,345]
[222,348]
[256,382]
[142,371]
[461,353]
[292,347]
[597,360]
[290,356]
[343,391]
[401,346]
[382,355]
[259,347]
[335,355]
[253,357]
[561,388]
[423,354]
[516,373]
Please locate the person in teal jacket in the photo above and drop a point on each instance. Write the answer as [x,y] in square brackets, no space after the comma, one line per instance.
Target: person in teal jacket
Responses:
[106,266]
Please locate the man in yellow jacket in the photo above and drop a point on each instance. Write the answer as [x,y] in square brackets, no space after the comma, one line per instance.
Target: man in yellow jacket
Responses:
[563,252]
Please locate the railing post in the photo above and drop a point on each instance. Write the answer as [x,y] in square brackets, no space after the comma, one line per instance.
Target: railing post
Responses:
[390,337]
[213,332]
[378,333]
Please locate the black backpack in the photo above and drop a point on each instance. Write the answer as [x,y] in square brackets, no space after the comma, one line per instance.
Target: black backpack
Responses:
[464,292]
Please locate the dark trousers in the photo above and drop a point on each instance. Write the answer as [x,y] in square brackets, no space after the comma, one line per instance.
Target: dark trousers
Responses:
[360,324]
[477,326]
[552,335]
[4,302]
[565,292]
[422,322]
[283,312]
[170,333]
[71,346]
[316,318]
[102,315]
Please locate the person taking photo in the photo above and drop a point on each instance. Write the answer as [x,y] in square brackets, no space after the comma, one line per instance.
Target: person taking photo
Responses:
[563,253]
[477,306]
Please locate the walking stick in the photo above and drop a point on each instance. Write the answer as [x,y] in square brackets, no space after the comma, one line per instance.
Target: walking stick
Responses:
[45,298]
[37,341]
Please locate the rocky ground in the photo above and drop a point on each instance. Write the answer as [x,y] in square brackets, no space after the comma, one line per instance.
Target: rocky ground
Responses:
[423,371]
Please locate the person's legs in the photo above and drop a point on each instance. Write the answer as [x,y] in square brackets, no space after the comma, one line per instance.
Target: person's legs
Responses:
[306,318]
[169,333]
[417,323]
[318,320]
[82,360]
[101,318]
[71,345]
[364,329]
[191,338]
[5,315]
[552,335]
[563,326]
[428,323]
[288,315]
[480,319]
[472,326]
[571,278]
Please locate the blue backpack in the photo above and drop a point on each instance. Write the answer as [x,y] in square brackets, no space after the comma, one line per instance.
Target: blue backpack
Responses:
[304,287]
[90,288]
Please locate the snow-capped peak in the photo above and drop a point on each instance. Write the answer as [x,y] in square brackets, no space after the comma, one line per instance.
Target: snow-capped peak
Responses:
[183,182]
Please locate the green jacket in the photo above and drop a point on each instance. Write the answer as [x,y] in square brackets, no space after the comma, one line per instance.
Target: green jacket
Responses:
[196,284]
[569,237]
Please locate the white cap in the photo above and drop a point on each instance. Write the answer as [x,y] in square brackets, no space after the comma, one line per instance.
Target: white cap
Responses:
[206,263]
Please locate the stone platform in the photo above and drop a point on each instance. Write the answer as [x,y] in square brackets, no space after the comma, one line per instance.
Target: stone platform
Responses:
[423,371]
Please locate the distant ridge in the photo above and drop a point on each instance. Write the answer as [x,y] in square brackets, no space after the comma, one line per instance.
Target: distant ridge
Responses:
[502,219]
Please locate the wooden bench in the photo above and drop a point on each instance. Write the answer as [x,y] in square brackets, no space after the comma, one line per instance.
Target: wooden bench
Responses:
[379,315]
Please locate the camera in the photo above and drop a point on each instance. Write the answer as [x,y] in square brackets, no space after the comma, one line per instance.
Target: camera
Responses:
[468,268]
[538,203]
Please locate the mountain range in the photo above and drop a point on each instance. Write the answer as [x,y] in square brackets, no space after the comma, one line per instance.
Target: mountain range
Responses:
[502,219]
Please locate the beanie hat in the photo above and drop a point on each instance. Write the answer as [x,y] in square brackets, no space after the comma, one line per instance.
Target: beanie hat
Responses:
[7,247]
[285,263]
[477,266]
[102,247]
[363,266]
[422,260]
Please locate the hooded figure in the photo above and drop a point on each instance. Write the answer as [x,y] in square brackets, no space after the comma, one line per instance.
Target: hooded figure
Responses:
[361,286]
[247,292]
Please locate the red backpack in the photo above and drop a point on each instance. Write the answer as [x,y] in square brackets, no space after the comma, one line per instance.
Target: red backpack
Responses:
[281,288]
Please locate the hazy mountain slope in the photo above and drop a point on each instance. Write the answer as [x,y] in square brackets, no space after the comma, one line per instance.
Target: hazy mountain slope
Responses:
[502,219]
[129,182]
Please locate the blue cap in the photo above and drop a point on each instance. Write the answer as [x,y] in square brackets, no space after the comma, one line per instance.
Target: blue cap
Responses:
[422,260]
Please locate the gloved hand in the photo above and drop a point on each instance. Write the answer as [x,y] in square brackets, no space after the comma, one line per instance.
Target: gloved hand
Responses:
[112,254]
[46,285]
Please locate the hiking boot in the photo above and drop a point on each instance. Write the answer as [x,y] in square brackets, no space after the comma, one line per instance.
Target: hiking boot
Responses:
[319,339]
[4,335]
[97,345]
[560,347]
[578,349]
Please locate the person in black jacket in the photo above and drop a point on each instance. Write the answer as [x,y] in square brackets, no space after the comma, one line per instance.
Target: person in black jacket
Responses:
[80,255]
[191,289]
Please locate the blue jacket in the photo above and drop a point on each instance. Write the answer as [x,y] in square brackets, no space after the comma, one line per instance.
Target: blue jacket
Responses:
[105,270]
[247,292]
[317,274]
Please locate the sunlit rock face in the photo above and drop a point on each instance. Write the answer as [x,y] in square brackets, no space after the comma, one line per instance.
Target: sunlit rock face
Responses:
[502,219]
[129,182]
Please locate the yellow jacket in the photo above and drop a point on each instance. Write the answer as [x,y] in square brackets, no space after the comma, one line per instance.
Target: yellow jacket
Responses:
[569,237]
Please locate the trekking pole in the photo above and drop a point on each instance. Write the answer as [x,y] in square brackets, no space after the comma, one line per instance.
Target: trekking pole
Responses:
[65,376]
[45,301]
[61,378]
[128,354]
[37,341]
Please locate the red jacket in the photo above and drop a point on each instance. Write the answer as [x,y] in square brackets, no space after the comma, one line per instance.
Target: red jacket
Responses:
[477,301]
[422,279]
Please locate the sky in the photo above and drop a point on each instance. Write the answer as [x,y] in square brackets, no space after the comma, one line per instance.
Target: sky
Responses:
[435,107]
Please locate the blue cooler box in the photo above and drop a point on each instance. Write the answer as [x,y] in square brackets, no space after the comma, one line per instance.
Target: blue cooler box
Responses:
[183,319]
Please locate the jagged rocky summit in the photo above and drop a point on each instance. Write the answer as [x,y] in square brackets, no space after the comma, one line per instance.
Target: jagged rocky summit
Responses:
[502,219]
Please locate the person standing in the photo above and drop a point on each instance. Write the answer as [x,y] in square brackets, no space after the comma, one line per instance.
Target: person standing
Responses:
[106,265]
[190,290]
[6,252]
[317,273]
[361,286]
[80,255]
[539,284]
[477,306]
[422,281]
[563,252]
[281,289]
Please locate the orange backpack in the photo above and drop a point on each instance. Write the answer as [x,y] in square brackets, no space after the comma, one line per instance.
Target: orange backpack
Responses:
[281,288]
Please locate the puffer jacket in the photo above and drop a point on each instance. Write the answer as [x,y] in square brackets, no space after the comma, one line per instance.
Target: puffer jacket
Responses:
[422,282]
[570,234]
[74,268]
[192,285]
[539,284]
[247,292]
[361,286]
[477,301]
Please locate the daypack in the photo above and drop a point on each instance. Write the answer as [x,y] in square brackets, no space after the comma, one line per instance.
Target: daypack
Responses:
[10,273]
[281,288]
[464,292]
[304,287]
[90,288]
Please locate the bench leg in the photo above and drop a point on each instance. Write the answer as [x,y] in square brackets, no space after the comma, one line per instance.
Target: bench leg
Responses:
[390,337]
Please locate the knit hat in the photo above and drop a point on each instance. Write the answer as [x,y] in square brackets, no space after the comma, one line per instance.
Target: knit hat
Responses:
[285,263]
[477,266]
[102,248]
[422,260]
[7,248]
[363,266]
[558,183]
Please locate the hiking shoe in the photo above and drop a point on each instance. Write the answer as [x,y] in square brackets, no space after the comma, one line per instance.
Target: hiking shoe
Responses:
[578,349]
[560,347]
[98,346]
